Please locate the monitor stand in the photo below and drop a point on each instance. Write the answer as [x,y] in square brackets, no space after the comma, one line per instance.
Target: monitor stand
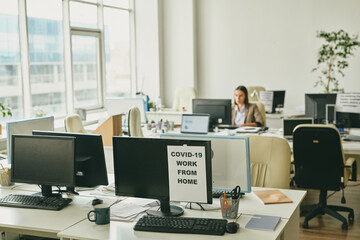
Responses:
[71,190]
[166,210]
[46,191]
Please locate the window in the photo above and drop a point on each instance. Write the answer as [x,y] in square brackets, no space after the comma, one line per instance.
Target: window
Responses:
[10,70]
[45,38]
[57,55]
[86,73]
[117,50]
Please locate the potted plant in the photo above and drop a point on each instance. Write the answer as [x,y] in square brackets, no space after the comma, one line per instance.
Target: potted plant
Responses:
[332,58]
[4,111]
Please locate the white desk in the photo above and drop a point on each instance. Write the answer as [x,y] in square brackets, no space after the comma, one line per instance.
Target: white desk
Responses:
[124,231]
[165,115]
[288,228]
[42,223]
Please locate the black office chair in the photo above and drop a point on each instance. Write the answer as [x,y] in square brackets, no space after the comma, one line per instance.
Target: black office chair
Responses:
[319,164]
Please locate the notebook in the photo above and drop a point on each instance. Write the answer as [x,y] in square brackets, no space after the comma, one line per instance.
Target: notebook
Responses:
[248,129]
[272,196]
[263,222]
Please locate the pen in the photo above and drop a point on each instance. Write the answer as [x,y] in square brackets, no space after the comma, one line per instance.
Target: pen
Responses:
[225,194]
[3,168]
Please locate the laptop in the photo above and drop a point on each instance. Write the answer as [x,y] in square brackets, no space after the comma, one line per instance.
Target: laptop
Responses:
[289,125]
[195,123]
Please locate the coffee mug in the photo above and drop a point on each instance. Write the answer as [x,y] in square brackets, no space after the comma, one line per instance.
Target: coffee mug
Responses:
[101,214]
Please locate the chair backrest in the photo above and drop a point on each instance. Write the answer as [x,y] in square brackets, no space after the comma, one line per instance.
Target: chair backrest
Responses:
[254,92]
[134,123]
[270,159]
[261,108]
[318,157]
[183,98]
[74,124]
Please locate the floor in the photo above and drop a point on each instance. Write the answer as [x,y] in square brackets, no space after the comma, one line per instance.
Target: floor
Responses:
[325,227]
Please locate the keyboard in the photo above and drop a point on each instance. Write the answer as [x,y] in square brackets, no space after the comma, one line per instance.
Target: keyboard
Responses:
[181,225]
[37,202]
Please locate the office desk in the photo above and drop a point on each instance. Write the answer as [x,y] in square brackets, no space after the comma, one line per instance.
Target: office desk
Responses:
[165,115]
[288,228]
[124,231]
[42,223]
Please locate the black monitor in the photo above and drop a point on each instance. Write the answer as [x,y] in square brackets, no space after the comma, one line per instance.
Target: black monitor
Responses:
[142,170]
[218,109]
[278,100]
[347,120]
[90,166]
[44,160]
[315,105]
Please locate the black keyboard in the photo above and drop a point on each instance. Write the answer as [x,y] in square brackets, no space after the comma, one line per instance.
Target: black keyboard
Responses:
[181,225]
[38,202]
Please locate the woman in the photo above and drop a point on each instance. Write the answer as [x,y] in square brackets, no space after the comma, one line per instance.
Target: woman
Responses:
[245,113]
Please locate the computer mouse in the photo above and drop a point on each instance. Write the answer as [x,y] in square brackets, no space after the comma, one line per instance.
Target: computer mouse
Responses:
[232,227]
[96,201]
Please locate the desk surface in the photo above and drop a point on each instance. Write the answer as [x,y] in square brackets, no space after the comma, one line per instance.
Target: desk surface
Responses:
[249,205]
[71,222]
[124,231]
[41,222]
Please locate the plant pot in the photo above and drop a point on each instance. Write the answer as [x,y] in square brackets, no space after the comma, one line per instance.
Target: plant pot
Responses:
[0,129]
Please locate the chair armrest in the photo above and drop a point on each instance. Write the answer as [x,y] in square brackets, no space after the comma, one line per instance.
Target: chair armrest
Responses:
[349,162]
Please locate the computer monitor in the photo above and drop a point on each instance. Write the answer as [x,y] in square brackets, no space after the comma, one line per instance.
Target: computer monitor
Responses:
[195,123]
[164,169]
[278,100]
[218,109]
[117,106]
[90,166]
[315,105]
[26,127]
[44,160]
[289,125]
[348,110]
[347,120]
[230,160]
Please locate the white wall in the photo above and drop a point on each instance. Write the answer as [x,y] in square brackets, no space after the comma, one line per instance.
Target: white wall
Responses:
[269,43]
[147,41]
[251,42]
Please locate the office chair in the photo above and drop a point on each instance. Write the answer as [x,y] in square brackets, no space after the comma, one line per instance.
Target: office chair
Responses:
[134,123]
[183,98]
[261,108]
[254,92]
[74,124]
[269,161]
[320,164]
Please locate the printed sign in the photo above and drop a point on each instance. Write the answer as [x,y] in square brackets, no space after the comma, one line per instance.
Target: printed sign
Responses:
[266,97]
[187,173]
[348,102]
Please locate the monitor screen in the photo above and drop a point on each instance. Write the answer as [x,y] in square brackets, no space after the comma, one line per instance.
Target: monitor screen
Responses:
[142,167]
[289,125]
[195,123]
[43,160]
[26,127]
[90,166]
[278,100]
[347,120]
[218,109]
[315,105]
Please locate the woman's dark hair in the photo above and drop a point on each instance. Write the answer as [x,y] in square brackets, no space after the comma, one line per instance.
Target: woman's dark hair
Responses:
[244,89]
